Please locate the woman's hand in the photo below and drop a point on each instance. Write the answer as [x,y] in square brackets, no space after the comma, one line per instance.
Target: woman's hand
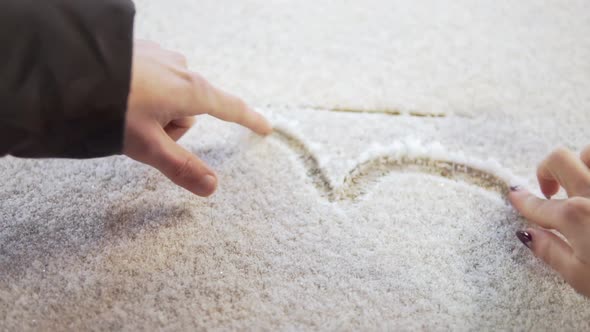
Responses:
[570,217]
[165,96]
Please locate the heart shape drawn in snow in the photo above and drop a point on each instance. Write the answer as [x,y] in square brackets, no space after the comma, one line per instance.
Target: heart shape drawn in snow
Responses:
[407,155]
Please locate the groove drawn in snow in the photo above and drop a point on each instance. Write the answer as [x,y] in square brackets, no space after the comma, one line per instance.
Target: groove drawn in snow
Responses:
[385,111]
[401,158]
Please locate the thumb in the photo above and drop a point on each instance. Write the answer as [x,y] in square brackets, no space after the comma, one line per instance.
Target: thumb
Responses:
[183,167]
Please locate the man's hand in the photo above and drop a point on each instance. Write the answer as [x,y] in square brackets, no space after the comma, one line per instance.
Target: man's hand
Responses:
[165,96]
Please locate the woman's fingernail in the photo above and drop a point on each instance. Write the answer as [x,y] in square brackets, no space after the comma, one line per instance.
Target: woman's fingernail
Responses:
[525,238]
[515,188]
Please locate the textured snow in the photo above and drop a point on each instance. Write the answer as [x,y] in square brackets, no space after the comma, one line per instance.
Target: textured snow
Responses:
[110,244]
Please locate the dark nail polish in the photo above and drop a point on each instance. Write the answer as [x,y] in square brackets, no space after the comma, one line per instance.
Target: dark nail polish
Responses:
[525,238]
[515,188]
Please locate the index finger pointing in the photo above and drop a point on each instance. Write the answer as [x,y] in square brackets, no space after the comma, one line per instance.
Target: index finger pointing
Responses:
[227,107]
[233,109]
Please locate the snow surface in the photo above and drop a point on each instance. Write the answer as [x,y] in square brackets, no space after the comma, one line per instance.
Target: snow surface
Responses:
[110,244]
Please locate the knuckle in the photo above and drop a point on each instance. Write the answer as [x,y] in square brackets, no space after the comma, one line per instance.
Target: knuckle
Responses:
[200,95]
[140,144]
[194,81]
[241,108]
[200,92]
[574,274]
[531,208]
[576,209]
[241,105]
[543,250]
[178,57]
[152,148]
[207,95]
[183,73]
[560,154]
[182,58]
[183,84]
[182,169]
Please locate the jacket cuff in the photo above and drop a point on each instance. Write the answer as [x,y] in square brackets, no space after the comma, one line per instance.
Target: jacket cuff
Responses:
[116,41]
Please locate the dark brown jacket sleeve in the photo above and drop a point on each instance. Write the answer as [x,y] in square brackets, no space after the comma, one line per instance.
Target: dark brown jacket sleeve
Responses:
[65,68]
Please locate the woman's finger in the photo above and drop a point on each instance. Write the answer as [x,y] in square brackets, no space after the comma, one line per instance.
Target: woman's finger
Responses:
[564,168]
[557,254]
[569,217]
